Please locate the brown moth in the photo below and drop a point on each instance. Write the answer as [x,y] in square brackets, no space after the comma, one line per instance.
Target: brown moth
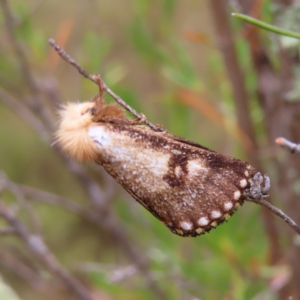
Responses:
[190,188]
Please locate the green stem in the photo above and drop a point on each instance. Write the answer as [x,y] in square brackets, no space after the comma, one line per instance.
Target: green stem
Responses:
[266,26]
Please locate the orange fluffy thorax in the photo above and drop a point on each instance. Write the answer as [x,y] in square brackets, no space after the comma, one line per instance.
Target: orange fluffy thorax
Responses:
[75,121]
[72,134]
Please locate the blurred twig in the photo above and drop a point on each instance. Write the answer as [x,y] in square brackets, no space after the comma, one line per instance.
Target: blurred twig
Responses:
[7,231]
[102,218]
[277,212]
[20,109]
[24,66]
[20,266]
[21,203]
[291,146]
[23,62]
[39,249]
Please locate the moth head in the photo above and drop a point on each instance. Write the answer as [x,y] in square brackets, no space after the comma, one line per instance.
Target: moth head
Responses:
[72,135]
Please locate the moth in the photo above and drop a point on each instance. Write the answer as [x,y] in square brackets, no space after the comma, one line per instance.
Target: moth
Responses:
[188,187]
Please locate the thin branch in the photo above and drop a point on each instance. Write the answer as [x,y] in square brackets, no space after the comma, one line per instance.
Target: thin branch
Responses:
[7,231]
[21,269]
[101,216]
[50,198]
[21,201]
[39,249]
[277,212]
[65,56]
[258,192]
[26,114]
[24,66]
[291,146]
[23,62]
[13,262]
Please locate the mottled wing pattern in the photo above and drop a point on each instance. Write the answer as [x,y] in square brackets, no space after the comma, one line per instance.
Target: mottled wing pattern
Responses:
[190,188]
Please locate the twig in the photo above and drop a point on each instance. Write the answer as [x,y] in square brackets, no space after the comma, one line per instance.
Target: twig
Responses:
[21,268]
[25,67]
[291,146]
[21,201]
[258,192]
[26,114]
[65,56]
[23,62]
[114,273]
[100,215]
[277,212]
[40,250]
[7,231]
[49,198]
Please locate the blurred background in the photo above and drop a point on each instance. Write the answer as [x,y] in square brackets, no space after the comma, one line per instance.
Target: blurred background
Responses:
[68,231]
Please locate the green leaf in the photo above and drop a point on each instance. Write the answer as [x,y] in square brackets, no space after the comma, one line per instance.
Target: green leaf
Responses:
[266,26]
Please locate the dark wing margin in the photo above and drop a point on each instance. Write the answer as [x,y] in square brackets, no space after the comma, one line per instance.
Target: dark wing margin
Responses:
[184,141]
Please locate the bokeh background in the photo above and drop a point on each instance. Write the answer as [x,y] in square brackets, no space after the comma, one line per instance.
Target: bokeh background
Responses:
[188,65]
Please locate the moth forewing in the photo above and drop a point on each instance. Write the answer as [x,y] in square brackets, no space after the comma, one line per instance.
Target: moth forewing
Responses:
[190,188]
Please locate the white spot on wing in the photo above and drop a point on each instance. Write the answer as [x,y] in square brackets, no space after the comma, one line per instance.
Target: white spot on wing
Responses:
[178,171]
[228,205]
[203,221]
[236,195]
[186,225]
[174,151]
[216,214]
[243,183]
